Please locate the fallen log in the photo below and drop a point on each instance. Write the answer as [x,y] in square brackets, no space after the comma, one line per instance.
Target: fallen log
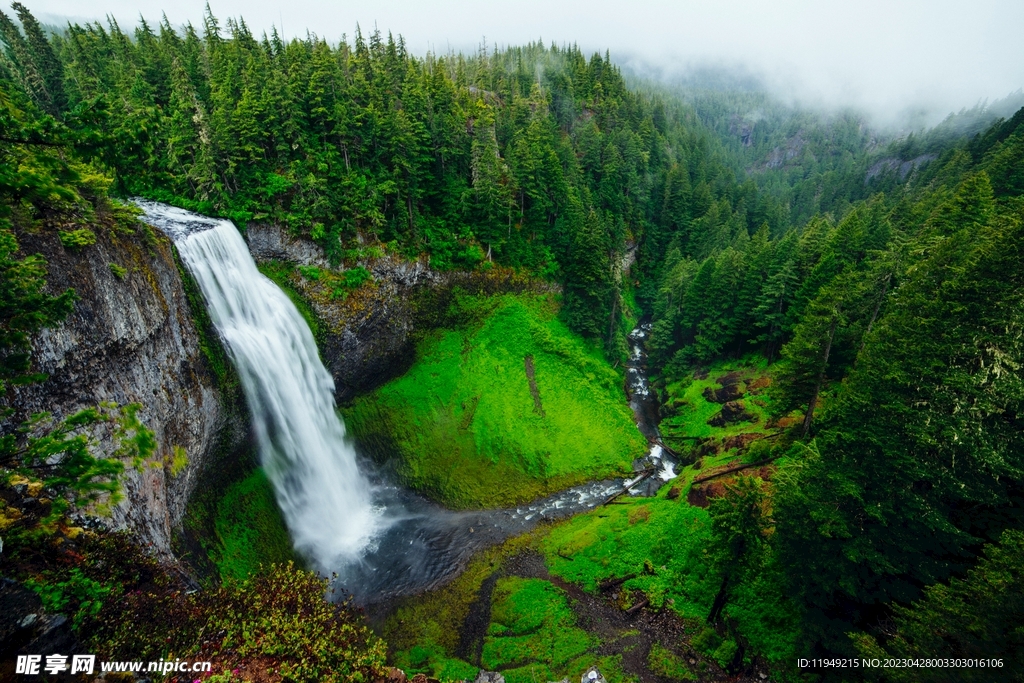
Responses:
[642,477]
[638,606]
[608,584]
[734,469]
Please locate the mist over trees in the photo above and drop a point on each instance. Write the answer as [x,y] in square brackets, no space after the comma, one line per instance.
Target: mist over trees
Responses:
[880,280]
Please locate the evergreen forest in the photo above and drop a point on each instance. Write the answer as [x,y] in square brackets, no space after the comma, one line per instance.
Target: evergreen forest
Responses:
[866,287]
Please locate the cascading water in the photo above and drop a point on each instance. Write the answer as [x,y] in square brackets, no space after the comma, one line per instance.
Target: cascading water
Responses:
[644,404]
[325,499]
[380,539]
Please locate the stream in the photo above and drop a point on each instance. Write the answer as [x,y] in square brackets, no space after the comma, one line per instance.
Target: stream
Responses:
[344,514]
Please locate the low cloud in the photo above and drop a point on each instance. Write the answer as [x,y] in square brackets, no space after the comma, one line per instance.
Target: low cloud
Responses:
[889,58]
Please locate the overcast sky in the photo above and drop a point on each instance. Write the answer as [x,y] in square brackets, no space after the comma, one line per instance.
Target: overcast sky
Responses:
[884,56]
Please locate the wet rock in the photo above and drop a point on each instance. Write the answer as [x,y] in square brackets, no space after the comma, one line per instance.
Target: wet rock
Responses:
[487,677]
[730,378]
[733,411]
[129,339]
[26,628]
[368,338]
[592,675]
[730,392]
[393,675]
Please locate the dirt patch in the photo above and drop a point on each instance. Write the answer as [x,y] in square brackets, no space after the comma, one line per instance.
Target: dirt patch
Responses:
[538,407]
[759,383]
[700,495]
[740,441]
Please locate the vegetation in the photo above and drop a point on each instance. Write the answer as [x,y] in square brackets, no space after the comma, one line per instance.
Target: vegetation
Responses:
[872,286]
[505,408]
[250,528]
[120,602]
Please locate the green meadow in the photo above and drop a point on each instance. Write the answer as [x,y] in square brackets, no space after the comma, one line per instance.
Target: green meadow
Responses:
[471,428]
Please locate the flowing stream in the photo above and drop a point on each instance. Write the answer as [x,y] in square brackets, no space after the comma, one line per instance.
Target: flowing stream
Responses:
[644,403]
[344,516]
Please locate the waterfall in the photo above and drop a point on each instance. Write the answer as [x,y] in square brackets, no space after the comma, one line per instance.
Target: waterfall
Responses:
[326,501]
[382,540]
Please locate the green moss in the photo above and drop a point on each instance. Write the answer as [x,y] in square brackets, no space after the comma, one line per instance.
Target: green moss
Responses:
[250,528]
[466,423]
[665,546]
[533,634]
[668,664]
[77,239]
[692,411]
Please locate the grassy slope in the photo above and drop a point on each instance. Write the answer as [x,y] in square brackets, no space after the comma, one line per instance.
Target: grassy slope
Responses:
[467,427]
[663,541]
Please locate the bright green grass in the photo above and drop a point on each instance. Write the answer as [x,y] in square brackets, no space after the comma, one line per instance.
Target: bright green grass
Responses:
[250,528]
[533,635]
[465,423]
[663,541]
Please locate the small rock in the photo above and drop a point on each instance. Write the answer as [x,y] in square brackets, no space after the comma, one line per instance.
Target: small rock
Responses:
[592,675]
[486,677]
[28,620]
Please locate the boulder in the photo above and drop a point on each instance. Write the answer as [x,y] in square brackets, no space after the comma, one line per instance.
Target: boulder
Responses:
[740,441]
[729,392]
[733,411]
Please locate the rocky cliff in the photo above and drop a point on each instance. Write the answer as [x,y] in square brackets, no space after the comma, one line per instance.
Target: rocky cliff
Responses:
[369,332]
[130,339]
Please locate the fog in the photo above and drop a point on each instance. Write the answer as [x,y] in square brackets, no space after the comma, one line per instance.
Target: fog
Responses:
[888,58]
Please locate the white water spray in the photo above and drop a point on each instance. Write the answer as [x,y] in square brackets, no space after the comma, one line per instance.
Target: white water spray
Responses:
[326,501]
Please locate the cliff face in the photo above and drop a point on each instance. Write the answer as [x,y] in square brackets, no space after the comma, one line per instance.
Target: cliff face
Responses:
[130,339]
[368,338]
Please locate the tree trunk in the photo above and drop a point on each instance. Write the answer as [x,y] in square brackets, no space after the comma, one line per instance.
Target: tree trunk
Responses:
[874,315]
[719,604]
[821,378]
